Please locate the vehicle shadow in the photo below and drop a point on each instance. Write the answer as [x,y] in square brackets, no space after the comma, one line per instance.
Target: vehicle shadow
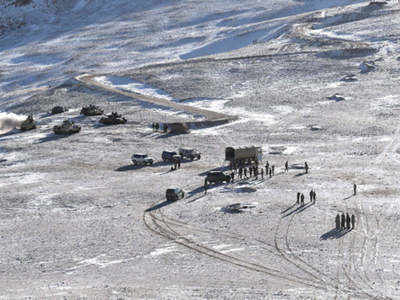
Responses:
[131,167]
[300,174]
[222,169]
[299,209]
[334,234]
[52,137]
[159,205]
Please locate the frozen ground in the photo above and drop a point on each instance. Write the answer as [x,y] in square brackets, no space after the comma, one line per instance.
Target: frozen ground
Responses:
[78,220]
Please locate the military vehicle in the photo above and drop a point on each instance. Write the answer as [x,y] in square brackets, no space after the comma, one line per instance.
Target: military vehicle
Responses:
[168,156]
[243,156]
[113,119]
[91,110]
[189,153]
[58,110]
[217,177]
[28,124]
[176,128]
[174,194]
[141,159]
[67,127]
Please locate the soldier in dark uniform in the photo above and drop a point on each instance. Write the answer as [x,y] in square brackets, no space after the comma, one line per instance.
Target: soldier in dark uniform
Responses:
[240,172]
[262,173]
[205,186]
[232,176]
[353,221]
[178,162]
[251,171]
[245,172]
[256,172]
[306,166]
[343,221]
[266,168]
[298,198]
[286,166]
[270,173]
[273,169]
[348,225]
[311,196]
[354,189]
[302,199]
[314,195]
[337,222]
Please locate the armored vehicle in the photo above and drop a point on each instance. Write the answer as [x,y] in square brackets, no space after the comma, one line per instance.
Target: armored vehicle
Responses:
[58,110]
[91,110]
[67,127]
[28,124]
[189,153]
[217,177]
[141,159]
[174,194]
[243,156]
[113,119]
[168,156]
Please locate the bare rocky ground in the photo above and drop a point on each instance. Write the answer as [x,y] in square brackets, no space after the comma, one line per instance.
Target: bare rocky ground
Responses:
[73,220]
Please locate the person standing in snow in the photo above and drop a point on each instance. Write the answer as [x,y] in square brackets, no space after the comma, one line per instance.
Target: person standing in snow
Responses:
[353,221]
[343,221]
[306,166]
[286,166]
[354,189]
[348,221]
[337,222]
[266,168]
[302,199]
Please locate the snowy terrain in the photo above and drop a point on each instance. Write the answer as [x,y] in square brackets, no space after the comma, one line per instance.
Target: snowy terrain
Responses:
[309,80]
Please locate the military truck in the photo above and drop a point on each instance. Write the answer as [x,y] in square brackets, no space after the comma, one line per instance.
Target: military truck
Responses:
[113,119]
[28,124]
[91,110]
[243,156]
[67,127]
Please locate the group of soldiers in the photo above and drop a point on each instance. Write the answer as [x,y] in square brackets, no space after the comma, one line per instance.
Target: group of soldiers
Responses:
[300,198]
[248,172]
[345,222]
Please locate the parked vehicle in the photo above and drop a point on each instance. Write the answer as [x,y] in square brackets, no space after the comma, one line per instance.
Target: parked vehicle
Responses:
[168,156]
[91,110]
[58,110]
[217,177]
[189,153]
[174,194]
[113,119]
[141,159]
[243,156]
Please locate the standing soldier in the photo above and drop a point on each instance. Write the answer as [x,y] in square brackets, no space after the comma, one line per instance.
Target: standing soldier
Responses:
[337,222]
[266,168]
[314,195]
[156,126]
[205,186]
[343,221]
[354,189]
[179,163]
[251,171]
[306,166]
[240,173]
[270,173]
[353,221]
[256,172]
[298,198]
[286,166]
[348,221]
[245,172]
[232,176]
[273,170]
[262,173]
[311,196]
[302,199]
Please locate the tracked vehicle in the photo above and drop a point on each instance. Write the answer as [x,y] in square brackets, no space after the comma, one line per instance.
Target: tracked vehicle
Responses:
[113,119]
[28,124]
[67,127]
[91,110]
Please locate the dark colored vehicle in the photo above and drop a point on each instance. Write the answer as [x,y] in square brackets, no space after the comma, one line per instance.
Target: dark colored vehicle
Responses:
[67,127]
[189,153]
[174,194]
[28,124]
[217,177]
[91,110]
[113,119]
[58,110]
[168,156]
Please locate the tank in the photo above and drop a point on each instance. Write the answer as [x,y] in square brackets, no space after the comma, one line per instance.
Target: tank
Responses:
[28,124]
[113,119]
[91,110]
[67,127]
[58,110]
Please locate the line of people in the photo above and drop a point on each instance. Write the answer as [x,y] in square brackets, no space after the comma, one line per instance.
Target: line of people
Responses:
[345,222]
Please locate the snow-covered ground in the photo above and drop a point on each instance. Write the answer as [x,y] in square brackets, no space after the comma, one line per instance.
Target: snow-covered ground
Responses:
[78,220]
